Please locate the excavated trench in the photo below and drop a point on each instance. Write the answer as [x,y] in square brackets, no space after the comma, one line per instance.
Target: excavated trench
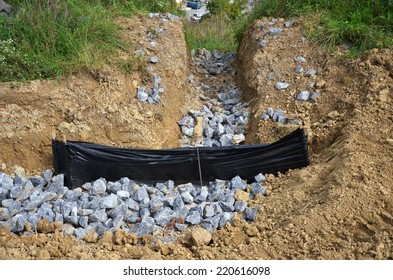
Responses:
[337,208]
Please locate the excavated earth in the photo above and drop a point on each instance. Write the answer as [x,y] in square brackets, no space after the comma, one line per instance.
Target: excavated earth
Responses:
[339,207]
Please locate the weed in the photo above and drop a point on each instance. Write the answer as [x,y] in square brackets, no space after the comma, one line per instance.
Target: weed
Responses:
[214,33]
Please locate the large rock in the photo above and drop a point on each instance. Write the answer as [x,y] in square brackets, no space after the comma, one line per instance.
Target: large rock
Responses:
[200,237]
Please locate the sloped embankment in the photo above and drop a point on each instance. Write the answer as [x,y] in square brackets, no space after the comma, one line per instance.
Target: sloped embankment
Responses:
[100,106]
[340,207]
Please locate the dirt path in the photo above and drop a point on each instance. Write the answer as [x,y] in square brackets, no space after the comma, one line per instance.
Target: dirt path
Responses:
[340,207]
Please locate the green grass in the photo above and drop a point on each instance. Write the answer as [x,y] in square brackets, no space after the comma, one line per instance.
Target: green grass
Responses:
[52,38]
[213,33]
[364,24]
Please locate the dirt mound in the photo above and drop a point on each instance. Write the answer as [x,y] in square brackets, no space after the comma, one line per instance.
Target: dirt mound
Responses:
[100,106]
[340,207]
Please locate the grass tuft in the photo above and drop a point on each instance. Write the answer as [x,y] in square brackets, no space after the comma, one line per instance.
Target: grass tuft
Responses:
[213,33]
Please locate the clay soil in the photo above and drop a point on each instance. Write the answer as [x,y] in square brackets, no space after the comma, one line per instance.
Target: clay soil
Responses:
[339,207]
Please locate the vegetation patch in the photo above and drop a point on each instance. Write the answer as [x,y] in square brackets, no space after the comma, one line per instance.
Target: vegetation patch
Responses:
[357,24]
[52,38]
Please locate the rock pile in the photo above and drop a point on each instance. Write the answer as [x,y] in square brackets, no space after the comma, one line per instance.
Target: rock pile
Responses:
[102,206]
[224,117]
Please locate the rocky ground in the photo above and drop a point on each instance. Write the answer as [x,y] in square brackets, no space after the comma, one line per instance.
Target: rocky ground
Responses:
[340,207]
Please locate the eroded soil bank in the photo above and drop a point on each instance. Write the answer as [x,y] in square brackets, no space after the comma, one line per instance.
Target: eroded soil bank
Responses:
[340,207]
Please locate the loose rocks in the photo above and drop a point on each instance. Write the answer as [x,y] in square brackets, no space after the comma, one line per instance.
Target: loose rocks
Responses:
[102,206]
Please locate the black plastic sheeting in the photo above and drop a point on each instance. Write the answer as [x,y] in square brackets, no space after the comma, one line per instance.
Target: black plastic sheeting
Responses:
[82,162]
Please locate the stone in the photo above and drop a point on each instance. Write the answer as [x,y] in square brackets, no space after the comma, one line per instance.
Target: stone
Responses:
[251,214]
[262,43]
[117,222]
[73,220]
[114,187]
[274,31]
[59,218]
[281,85]
[256,188]
[220,130]
[309,73]
[87,186]
[225,218]
[13,206]
[240,206]
[227,206]
[289,23]
[46,175]
[178,203]
[300,59]
[109,202]
[68,229]
[72,195]
[226,140]
[204,192]
[38,200]
[271,77]
[144,213]
[80,233]
[142,95]
[314,95]
[6,202]
[238,138]
[282,119]
[4,214]
[98,187]
[180,227]
[238,183]
[139,52]
[187,197]
[132,204]
[200,237]
[156,204]
[66,207]
[260,178]
[241,195]
[209,211]
[98,216]
[140,194]
[21,220]
[303,95]
[142,229]
[270,112]
[186,121]
[57,185]
[187,131]
[122,194]
[276,114]
[120,210]
[194,218]
[84,221]
[214,221]
[209,132]
[3,194]
[299,69]
[153,60]
[265,117]
[16,191]
[36,181]
[164,216]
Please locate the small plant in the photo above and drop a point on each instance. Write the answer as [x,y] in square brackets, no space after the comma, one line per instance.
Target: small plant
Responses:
[159,116]
[12,60]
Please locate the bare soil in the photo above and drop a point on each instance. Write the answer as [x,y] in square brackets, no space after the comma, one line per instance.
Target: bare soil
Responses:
[340,207]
